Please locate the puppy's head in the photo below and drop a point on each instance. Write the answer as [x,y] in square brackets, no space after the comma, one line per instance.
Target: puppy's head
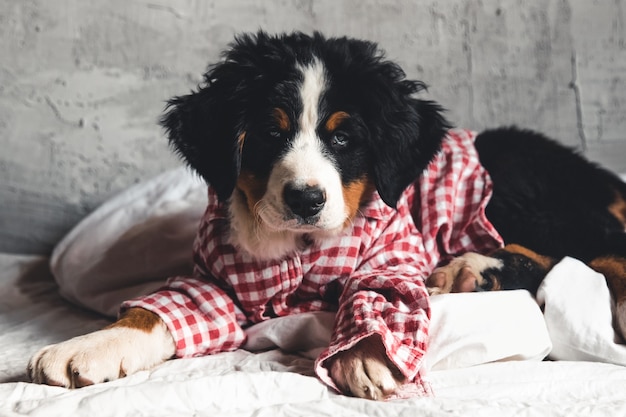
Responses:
[302,129]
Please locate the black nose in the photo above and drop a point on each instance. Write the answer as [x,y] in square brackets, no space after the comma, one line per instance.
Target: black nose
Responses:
[304,202]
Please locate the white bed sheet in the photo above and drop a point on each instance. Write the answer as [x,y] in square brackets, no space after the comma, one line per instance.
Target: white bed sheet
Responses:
[273,382]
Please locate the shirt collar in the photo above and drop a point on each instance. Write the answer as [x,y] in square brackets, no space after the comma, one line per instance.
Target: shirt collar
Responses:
[376,208]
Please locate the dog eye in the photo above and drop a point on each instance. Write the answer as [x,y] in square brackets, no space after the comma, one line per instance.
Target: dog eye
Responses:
[275,134]
[339,140]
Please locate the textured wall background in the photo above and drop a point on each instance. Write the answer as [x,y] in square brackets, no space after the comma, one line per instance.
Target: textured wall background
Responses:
[82,83]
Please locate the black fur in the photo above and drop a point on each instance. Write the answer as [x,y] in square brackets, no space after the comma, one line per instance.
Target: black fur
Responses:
[392,135]
[549,198]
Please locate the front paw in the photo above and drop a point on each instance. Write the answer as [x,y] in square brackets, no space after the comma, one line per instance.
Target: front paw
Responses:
[97,357]
[365,371]
[465,273]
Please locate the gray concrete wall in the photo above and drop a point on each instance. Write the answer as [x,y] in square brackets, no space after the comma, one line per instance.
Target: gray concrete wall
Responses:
[83,82]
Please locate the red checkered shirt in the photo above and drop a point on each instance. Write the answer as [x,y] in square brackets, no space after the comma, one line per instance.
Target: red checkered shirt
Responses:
[372,274]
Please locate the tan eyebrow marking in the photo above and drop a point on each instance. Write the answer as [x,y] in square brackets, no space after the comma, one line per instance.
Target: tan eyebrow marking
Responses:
[282,119]
[240,140]
[618,208]
[335,120]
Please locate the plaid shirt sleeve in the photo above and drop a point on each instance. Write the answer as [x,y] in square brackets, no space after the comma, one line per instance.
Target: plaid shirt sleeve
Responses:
[386,296]
[201,317]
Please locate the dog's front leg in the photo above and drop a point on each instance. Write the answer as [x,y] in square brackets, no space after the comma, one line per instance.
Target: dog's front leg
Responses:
[365,371]
[138,340]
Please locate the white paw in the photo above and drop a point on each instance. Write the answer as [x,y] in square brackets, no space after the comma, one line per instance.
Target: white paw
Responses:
[462,274]
[101,356]
[365,371]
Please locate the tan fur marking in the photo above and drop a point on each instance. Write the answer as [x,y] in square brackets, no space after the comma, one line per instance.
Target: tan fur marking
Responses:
[354,194]
[282,119]
[618,208]
[614,270]
[252,187]
[544,261]
[335,120]
[240,141]
[137,318]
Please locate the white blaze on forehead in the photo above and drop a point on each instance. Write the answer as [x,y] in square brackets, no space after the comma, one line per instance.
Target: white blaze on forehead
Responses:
[306,160]
[313,84]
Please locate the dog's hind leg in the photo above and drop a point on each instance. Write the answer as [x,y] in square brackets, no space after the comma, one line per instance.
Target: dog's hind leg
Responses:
[512,267]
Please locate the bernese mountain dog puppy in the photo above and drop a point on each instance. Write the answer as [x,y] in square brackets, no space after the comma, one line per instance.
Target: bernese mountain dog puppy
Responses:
[332,187]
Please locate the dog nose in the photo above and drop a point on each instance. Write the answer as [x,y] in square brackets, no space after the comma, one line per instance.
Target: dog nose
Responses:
[304,202]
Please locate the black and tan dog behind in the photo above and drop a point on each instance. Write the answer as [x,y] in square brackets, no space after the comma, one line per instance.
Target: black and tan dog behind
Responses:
[332,186]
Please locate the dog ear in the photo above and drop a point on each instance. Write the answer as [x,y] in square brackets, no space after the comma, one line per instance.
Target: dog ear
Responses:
[204,134]
[405,133]
[408,139]
[207,127]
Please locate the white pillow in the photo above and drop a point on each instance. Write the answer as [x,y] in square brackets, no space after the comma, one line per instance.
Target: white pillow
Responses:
[469,329]
[132,243]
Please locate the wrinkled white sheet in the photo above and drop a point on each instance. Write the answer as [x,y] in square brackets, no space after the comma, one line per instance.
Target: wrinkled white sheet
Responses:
[132,243]
[277,383]
[578,311]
